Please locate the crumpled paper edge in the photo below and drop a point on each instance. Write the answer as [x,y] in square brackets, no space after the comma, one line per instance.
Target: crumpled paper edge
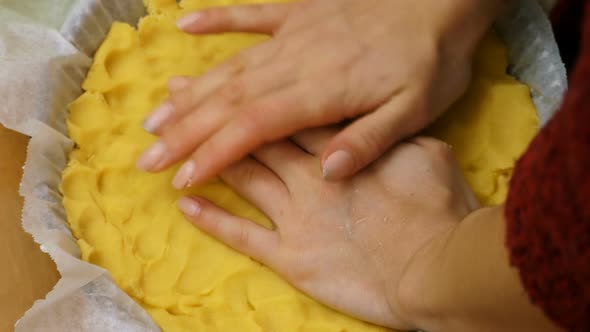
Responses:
[86,290]
[56,63]
[532,60]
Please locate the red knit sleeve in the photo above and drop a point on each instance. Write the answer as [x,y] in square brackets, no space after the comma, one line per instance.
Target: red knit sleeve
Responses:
[548,206]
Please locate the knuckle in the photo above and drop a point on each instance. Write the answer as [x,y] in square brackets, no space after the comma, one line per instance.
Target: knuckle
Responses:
[278,48]
[233,92]
[313,107]
[436,148]
[217,15]
[418,108]
[172,141]
[247,175]
[421,106]
[242,237]
[237,64]
[216,228]
[255,121]
[442,150]
[179,138]
[183,99]
[262,12]
[373,142]
[319,107]
[445,197]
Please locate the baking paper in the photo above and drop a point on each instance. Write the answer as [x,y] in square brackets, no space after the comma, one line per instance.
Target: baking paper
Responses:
[533,59]
[46,49]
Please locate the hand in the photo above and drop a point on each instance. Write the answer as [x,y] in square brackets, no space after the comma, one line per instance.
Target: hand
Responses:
[393,66]
[346,244]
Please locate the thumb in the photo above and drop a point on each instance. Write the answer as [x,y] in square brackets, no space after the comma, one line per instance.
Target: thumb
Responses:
[264,19]
[366,139]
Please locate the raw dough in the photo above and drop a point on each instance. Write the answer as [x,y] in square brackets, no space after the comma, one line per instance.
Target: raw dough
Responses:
[127,221]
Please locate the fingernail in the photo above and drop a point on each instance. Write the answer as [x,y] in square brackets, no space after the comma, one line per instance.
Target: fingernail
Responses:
[150,159]
[158,117]
[178,83]
[188,20]
[189,206]
[338,165]
[184,175]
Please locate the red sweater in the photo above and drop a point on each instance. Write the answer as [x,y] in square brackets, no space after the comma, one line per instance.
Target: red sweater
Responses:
[548,206]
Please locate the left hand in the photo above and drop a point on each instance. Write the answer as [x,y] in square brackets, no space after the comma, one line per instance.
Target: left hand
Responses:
[393,66]
[346,244]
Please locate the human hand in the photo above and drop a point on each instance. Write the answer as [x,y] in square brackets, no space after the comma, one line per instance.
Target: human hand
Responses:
[394,66]
[347,244]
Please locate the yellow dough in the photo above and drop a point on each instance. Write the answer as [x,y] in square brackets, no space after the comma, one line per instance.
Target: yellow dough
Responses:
[127,221]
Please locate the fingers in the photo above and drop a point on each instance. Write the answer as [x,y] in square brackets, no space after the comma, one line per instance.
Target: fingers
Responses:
[259,185]
[226,86]
[166,113]
[226,83]
[366,139]
[285,159]
[315,140]
[182,131]
[179,140]
[240,234]
[240,65]
[267,120]
[265,19]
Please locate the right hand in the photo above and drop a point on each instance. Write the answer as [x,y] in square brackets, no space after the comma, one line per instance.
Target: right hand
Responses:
[346,244]
[393,66]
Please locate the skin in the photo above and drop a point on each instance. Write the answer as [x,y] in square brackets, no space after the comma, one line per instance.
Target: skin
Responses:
[462,281]
[394,245]
[390,82]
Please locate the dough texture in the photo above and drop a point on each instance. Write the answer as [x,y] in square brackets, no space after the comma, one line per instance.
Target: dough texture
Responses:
[127,221]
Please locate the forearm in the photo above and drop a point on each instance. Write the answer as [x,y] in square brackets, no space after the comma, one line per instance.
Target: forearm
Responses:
[463,282]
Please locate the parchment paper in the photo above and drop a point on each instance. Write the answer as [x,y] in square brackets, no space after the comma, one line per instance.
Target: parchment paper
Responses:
[46,49]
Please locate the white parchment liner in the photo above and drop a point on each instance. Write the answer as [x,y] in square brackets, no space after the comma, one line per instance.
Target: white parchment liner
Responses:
[46,49]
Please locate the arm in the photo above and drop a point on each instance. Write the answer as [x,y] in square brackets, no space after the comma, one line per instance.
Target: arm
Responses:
[466,274]
[463,282]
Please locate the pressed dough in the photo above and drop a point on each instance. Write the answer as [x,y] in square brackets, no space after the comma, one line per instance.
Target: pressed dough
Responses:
[127,221]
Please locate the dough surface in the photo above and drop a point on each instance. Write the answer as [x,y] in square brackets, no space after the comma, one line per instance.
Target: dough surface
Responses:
[127,221]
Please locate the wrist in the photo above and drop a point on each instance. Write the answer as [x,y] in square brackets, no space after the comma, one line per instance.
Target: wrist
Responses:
[419,285]
[462,281]
[436,288]
[465,24]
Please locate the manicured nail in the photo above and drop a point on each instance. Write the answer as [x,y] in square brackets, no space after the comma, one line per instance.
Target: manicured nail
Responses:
[150,159]
[178,83]
[189,206]
[184,175]
[338,165]
[188,20]
[158,117]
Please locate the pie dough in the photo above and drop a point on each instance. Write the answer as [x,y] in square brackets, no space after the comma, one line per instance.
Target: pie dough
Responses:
[127,221]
